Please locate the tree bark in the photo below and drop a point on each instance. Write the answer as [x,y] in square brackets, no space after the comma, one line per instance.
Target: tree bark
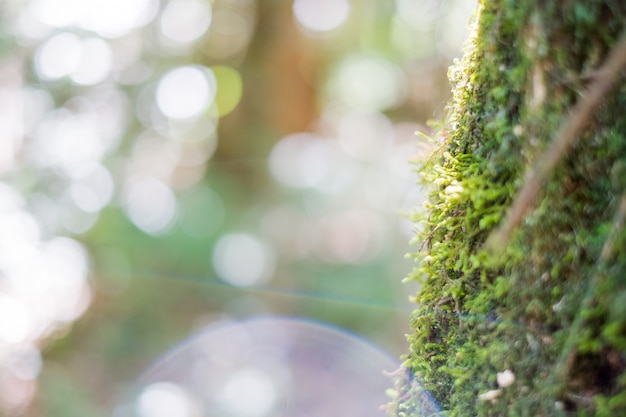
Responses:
[522,310]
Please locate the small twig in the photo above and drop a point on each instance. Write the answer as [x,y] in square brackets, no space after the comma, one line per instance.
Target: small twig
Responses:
[569,130]
[580,400]
[428,239]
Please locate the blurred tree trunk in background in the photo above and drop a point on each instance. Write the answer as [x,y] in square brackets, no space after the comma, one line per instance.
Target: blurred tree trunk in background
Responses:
[278,75]
[525,314]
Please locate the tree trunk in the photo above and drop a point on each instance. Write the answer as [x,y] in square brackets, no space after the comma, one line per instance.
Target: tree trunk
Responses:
[522,311]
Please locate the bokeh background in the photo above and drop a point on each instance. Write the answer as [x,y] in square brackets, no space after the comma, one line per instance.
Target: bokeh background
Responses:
[166,165]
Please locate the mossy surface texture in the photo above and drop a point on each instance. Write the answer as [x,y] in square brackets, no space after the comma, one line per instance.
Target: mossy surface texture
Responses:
[548,307]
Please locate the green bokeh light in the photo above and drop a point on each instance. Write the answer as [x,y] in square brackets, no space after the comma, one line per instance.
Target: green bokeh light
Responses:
[229,89]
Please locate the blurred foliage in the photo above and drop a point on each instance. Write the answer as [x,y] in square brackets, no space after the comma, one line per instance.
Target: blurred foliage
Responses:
[203,160]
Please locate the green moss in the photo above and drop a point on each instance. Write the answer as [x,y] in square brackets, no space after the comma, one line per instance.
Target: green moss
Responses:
[549,309]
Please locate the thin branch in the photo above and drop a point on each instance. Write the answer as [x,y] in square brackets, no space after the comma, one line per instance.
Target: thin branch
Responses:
[569,130]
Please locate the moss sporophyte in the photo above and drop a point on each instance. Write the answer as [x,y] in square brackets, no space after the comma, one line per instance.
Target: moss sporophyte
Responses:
[523,247]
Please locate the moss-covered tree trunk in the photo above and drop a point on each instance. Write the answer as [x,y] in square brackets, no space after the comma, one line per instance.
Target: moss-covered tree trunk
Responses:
[524,314]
